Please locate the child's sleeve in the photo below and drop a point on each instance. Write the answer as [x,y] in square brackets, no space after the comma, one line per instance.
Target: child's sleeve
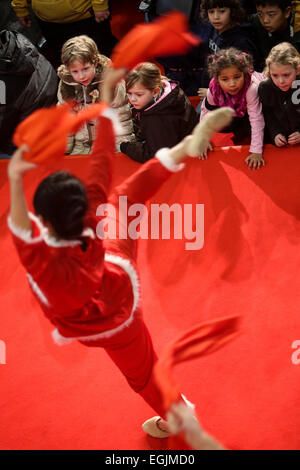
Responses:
[272,122]
[256,118]
[207,105]
[21,8]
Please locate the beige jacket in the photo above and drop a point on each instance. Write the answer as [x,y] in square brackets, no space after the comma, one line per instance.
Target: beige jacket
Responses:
[69,90]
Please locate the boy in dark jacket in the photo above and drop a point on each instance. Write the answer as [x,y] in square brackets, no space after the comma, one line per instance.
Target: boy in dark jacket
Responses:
[28,82]
[273,23]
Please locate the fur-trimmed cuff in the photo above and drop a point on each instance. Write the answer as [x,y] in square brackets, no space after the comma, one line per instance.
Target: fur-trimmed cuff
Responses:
[21,233]
[163,156]
[111,114]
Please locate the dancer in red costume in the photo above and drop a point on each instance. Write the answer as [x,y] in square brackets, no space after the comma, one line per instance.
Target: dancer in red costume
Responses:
[88,287]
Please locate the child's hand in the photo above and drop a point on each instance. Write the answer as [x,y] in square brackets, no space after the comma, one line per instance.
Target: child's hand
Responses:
[202,92]
[280,140]
[294,138]
[101,15]
[255,160]
[204,155]
[17,165]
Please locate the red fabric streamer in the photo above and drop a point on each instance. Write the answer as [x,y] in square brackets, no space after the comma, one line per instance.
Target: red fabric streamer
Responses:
[166,36]
[45,131]
[202,339]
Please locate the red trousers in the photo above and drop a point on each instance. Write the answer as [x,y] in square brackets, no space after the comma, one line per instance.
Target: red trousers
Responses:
[131,349]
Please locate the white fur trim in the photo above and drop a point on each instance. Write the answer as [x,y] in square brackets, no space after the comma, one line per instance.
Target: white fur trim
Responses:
[163,156]
[133,276]
[111,114]
[187,402]
[40,294]
[23,234]
[26,235]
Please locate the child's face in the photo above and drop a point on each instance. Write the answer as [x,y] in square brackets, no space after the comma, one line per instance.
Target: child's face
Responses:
[272,18]
[139,96]
[82,72]
[283,76]
[231,80]
[220,18]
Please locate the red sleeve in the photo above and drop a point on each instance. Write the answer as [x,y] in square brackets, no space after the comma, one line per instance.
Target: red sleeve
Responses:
[99,178]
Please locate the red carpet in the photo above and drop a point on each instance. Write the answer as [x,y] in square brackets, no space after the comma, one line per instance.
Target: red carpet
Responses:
[247,394]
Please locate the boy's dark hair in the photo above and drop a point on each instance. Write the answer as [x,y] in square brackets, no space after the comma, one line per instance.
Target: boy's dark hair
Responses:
[282,4]
[61,200]
[237,13]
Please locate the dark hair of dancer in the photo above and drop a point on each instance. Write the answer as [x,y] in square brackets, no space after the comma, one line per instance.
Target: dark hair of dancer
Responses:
[61,200]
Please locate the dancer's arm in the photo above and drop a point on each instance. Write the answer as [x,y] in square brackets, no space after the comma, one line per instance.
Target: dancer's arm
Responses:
[18,207]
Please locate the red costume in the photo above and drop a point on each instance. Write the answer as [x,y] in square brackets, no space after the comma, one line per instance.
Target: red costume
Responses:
[93,295]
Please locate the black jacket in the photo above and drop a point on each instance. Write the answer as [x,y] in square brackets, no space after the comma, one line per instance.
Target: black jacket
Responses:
[27,82]
[163,125]
[265,40]
[281,109]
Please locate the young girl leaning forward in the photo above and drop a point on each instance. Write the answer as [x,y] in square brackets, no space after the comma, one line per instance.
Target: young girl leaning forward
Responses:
[280,96]
[162,114]
[81,75]
[234,84]
[101,307]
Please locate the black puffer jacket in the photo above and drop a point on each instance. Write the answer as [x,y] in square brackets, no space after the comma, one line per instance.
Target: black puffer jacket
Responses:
[27,82]
[161,124]
[281,109]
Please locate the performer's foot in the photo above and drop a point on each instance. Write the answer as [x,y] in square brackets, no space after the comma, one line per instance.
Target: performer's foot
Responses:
[202,133]
[156,427]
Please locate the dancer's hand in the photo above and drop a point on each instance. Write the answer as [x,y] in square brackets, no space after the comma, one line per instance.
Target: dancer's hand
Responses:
[255,160]
[111,77]
[280,140]
[294,138]
[17,165]
[101,15]
[181,418]
[204,155]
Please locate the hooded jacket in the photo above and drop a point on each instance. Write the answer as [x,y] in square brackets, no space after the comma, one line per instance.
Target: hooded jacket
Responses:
[59,11]
[69,90]
[28,82]
[163,123]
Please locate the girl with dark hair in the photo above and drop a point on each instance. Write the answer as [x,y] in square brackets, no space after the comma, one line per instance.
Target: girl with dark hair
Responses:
[226,29]
[87,286]
[233,83]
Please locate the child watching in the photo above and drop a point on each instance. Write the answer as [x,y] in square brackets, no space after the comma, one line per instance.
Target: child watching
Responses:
[227,29]
[280,99]
[233,84]
[273,23]
[80,80]
[162,114]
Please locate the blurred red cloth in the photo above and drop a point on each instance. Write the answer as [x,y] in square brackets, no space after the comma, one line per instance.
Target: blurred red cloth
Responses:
[166,36]
[45,131]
